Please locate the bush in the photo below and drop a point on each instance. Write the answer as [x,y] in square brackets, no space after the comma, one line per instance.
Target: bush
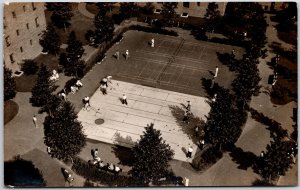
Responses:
[153,30]
[29,67]
[83,169]
[208,158]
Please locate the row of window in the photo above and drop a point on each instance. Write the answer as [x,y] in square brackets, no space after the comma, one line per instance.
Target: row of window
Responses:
[18,31]
[24,9]
[187,4]
[11,56]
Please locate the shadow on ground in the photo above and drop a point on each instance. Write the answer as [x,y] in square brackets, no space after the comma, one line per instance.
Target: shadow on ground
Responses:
[244,159]
[187,128]
[124,154]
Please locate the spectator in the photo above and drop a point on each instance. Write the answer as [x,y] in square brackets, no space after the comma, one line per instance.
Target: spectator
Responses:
[111,167]
[74,89]
[189,153]
[78,83]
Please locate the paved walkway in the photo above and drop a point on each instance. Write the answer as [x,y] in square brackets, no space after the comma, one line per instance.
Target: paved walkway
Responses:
[125,123]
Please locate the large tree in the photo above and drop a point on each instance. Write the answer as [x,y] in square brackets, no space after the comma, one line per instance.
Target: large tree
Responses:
[168,9]
[152,156]
[276,161]
[223,126]
[9,85]
[104,28]
[128,9]
[212,11]
[50,107]
[61,13]
[43,87]
[74,49]
[22,173]
[50,40]
[74,52]
[104,7]
[63,132]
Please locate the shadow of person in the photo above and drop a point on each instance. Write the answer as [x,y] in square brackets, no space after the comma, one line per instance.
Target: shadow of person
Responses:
[211,73]
[184,150]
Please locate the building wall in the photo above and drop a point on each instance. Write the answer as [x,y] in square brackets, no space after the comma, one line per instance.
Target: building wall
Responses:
[23,26]
[267,6]
[195,9]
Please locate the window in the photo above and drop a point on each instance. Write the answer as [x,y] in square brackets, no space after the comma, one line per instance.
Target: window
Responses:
[21,49]
[11,57]
[17,32]
[30,41]
[14,14]
[7,41]
[36,22]
[24,8]
[27,25]
[33,6]
[186,4]
[198,4]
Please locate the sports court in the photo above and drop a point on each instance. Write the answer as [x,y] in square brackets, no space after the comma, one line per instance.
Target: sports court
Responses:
[173,64]
[153,79]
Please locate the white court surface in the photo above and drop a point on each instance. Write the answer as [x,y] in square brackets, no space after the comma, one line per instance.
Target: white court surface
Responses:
[124,124]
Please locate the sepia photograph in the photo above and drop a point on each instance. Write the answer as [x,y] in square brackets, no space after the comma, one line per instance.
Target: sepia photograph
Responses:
[150,94]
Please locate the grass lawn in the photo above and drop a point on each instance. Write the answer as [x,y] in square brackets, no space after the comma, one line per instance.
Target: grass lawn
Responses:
[11,109]
[77,22]
[25,82]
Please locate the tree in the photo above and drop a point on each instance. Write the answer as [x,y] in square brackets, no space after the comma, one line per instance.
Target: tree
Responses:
[73,55]
[276,161]
[43,87]
[223,126]
[61,14]
[63,132]
[22,173]
[168,10]
[104,28]
[212,11]
[29,67]
[152,155]
[104,7]
[50,40]
[74,49]
[53,102]
[9,85]
[128,10]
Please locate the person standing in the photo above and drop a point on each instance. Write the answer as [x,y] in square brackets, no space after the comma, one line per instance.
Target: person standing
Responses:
[34,119]
[202,142]
[214,98]
[86,102]
[124,99]
[188,107]
[216,73]
[186,117]
[152,42]
[126,54]
[117,54]
[189,153]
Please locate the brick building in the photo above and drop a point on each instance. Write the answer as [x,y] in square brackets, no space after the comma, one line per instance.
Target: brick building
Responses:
[23,26]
